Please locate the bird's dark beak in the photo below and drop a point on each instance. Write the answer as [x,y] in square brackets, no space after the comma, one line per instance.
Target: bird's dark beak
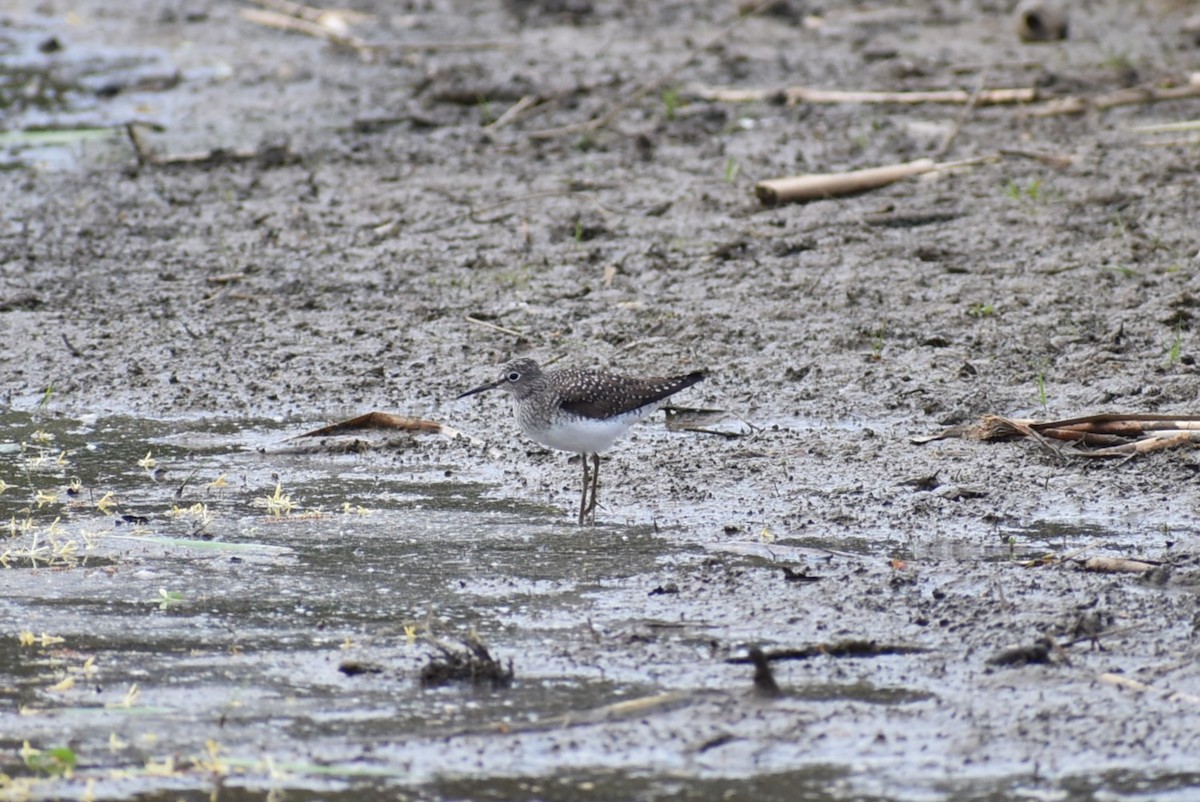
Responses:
[482,389]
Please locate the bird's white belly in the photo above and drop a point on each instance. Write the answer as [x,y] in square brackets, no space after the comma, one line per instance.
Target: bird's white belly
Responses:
[587,435]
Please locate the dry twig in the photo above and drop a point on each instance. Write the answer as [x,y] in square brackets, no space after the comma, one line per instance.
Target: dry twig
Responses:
[494,327]
[513,112]
[1056,160]
[1128,683]
[331,18]
[793,95]
[952,134]
[642,707]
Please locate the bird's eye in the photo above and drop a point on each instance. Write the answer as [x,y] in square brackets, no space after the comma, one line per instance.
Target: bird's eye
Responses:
[513,376]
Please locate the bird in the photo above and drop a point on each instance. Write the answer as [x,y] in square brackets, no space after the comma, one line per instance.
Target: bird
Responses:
[581,411]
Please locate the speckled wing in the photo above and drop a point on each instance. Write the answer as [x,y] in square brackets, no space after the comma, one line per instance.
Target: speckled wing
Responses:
[600,395]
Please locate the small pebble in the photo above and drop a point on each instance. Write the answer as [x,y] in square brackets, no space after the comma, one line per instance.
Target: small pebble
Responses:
[1041,21]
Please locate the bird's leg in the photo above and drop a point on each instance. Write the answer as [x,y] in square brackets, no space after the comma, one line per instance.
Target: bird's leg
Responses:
[595,486]
[583,492]
[587,501]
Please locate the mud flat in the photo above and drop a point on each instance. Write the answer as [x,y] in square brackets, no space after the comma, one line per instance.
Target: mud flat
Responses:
[196,602]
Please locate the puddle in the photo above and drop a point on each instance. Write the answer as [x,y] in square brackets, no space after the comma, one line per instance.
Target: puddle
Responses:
[64,103]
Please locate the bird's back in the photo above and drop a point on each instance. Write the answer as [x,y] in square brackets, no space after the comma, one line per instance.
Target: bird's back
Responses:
[585,411]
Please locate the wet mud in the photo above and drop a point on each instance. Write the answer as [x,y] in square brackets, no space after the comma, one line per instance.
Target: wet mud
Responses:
[196,602]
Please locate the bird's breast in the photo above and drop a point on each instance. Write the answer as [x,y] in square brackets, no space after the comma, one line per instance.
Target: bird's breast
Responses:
[583,435]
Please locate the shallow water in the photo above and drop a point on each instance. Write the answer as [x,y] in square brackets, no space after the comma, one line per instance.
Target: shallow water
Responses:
[189,636]
[214,633]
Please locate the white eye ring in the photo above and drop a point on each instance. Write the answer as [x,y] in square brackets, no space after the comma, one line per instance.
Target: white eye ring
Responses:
[514,376]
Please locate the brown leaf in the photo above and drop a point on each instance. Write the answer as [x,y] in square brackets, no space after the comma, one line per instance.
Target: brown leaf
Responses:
[376,421]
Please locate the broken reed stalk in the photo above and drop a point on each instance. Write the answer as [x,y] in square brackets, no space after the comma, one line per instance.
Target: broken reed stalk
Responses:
[1117,565]
[1183,126]
[331,26]
[285,22]
[793,95]
[1116,435]
[825,185]
[1127,425]
[1121,97]
[1156,442]
[814,186]
[997,427]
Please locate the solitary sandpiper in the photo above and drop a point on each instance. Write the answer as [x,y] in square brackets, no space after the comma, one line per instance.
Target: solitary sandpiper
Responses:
[583,411]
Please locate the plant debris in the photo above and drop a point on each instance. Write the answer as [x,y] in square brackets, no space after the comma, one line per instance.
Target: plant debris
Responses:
[474,664]
[1123,435]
